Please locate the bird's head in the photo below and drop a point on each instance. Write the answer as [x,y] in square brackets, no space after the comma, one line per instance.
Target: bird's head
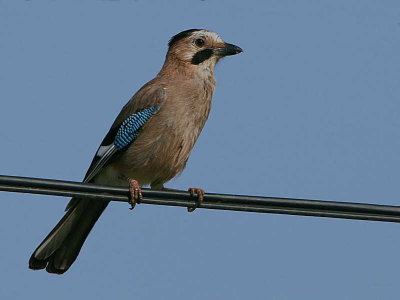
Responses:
[200,47]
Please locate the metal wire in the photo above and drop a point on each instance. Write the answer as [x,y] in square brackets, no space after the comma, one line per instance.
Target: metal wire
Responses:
[275,205]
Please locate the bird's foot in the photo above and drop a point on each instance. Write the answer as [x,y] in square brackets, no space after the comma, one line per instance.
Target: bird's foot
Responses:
[135,193]
[200,197]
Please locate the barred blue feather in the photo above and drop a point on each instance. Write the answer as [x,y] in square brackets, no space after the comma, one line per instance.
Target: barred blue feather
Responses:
[128,131]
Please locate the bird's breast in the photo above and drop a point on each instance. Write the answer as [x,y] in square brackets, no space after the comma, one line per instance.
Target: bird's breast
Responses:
[164,144]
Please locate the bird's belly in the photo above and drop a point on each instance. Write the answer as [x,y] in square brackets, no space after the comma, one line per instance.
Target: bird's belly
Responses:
[158,154]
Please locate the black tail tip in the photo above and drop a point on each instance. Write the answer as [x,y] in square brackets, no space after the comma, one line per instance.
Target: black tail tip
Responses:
[37,264]
[51,269]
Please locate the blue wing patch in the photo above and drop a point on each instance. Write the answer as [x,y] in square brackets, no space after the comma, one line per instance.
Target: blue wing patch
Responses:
[128,131]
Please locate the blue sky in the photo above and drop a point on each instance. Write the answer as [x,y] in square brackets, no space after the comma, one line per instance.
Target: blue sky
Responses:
[309,110]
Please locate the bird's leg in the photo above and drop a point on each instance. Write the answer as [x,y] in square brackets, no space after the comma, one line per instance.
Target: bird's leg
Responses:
[193,192]
[200,197]
[135,193]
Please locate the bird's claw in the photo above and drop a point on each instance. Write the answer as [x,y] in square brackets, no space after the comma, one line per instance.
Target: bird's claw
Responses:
[135,193]
[200,197]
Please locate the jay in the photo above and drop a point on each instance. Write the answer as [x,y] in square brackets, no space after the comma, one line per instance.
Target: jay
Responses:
[149,142]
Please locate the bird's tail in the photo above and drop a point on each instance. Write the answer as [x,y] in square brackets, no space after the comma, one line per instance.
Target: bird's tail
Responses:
[60,248]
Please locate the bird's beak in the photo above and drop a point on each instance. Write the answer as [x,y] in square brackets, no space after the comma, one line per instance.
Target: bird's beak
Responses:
[228,49]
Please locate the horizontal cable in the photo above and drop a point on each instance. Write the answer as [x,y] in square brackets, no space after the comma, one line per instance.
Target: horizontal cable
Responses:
[289,206]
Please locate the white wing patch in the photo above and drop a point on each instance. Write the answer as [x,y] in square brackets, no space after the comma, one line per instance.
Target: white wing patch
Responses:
[104,152]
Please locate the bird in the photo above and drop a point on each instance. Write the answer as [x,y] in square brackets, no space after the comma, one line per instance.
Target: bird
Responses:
[149,142]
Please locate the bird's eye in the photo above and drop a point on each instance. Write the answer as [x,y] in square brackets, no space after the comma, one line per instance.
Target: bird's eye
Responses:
[199,42]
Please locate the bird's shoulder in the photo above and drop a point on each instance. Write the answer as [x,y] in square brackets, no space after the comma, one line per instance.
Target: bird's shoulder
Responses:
[133,115]
[150,95]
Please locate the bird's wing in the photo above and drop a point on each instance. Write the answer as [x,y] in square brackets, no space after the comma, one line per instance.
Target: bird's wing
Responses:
[125,129]
[124,135]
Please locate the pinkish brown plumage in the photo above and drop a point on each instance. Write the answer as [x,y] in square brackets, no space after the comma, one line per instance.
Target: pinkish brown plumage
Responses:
[151,153]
